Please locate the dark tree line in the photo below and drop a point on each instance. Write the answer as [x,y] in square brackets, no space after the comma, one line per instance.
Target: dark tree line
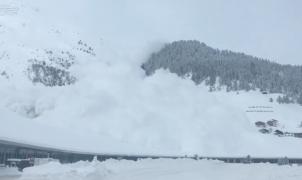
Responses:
[236,71]
[50,76]
[55,72]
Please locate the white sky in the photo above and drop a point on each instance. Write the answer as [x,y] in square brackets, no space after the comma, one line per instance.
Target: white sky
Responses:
[264,28]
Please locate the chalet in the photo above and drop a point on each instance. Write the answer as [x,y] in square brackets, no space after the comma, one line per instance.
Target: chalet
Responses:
[260,124]
[288,134]
[272,123]
[264,131]
[278,133]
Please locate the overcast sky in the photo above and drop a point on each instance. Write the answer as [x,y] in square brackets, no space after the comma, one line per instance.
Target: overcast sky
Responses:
[265,28]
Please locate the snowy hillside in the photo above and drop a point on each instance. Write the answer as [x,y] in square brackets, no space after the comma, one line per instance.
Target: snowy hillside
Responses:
[71,77]
[234,71]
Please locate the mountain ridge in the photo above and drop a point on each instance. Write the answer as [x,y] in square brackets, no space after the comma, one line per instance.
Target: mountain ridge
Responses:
[236,71]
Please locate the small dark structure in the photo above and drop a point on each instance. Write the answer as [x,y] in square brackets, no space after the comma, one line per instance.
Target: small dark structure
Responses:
[264,131]
[283,161]
[278,132]
[264,92]
[272,123]
[298,135]
[260,124]
[247,160]
[20,163]
[289,134]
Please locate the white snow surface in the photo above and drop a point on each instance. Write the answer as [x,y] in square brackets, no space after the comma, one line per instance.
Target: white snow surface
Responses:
[113,107]
[161,169]
[9,172]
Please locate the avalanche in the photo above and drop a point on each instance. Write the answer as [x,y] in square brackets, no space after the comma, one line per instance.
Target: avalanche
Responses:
[102,101]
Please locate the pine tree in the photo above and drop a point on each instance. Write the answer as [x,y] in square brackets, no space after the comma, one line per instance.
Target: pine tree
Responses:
[236,71]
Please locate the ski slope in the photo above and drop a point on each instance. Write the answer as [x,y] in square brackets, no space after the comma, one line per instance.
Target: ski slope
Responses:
[113,107]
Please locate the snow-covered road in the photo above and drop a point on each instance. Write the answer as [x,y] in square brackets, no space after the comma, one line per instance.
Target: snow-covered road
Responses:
[9,177]
[9,173]
[161,169]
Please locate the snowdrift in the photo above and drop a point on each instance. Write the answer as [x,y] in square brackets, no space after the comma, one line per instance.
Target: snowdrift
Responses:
[160,169]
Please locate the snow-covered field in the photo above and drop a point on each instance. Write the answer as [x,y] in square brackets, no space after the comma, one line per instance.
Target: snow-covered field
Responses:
[113,107]
[161,170]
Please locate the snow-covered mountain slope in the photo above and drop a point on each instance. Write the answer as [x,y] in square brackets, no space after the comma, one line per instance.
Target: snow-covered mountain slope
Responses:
[71,78]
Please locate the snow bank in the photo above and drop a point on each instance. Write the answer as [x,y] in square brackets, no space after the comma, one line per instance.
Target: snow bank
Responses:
[9,172]
[161,169]
[78,171]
